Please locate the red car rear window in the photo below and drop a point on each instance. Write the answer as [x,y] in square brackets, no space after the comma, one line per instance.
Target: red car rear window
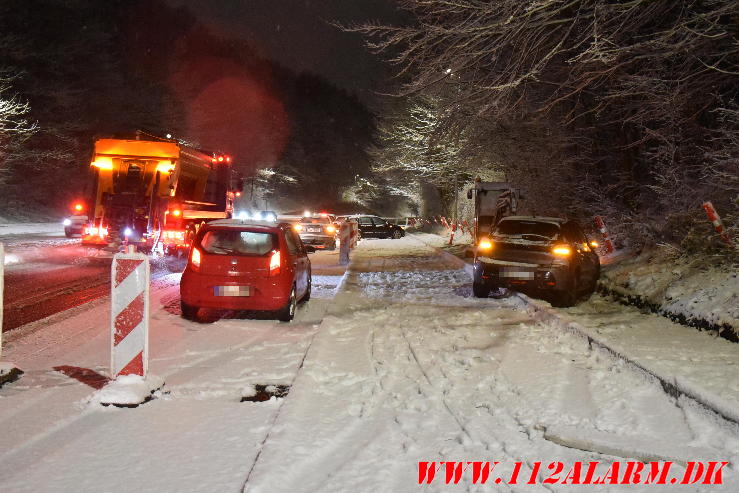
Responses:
[238,242]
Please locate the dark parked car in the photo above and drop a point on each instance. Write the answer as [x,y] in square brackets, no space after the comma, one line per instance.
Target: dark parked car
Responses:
[542,255]
[377,227]
[246,265]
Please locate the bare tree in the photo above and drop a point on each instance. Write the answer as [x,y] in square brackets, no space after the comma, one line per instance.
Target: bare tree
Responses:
[611,106]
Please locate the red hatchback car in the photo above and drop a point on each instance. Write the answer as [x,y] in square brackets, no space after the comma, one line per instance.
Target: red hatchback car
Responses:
[246,265]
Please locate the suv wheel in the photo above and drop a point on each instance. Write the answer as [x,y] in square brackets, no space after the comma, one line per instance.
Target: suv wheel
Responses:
[397,234]
[480,290]
[568,297]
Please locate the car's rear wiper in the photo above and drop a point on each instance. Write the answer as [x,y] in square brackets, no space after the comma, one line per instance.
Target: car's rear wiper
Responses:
[225,250]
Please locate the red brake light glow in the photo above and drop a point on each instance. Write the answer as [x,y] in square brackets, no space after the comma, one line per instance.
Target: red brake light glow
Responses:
[274,263]
[195,258]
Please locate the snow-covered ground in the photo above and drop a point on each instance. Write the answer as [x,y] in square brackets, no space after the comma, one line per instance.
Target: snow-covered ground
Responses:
[394,364]
[697,289]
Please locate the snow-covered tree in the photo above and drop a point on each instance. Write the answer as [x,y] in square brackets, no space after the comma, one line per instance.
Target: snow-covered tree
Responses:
[603,107]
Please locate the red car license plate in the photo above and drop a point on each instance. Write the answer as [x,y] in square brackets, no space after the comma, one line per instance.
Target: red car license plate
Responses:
[231,291]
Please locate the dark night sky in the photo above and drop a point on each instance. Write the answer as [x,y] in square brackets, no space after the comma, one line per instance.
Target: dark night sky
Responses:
[295,33]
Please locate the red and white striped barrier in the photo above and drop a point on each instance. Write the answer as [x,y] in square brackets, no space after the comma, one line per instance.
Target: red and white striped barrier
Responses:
[129,314]
[717,223]
[604,232]
[451,237]
[8,371]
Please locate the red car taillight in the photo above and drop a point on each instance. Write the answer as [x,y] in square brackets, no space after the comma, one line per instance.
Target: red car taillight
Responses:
[195,258]
[274,263]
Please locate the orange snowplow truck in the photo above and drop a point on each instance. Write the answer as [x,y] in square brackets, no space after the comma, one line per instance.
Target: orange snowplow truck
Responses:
[155,193]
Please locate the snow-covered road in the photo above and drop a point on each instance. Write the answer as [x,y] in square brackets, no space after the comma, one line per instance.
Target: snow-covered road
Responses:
[402,365]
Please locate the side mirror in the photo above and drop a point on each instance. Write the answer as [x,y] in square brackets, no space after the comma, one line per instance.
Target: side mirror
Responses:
[310,248]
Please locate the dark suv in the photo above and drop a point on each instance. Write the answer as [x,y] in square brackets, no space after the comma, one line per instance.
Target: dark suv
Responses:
[542,255]
[376,227]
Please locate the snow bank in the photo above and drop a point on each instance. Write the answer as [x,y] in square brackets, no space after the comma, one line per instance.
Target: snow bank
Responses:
[690,290]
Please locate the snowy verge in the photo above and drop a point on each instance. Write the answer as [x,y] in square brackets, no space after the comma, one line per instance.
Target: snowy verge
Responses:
[648,352]
[689,291]
[676,378]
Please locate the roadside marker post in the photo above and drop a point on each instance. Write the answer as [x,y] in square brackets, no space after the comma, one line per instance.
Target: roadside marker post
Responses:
[354,233]
[129,314]
[451,237]
[8,371]
[718,225]
[129,342]
[604,232]
[345,233]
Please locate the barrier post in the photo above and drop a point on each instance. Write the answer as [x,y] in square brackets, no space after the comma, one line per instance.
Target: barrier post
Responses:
[345,233]
[130,383]
[718,225]
[8,371]
[129,314]
[354,234]
[603,231]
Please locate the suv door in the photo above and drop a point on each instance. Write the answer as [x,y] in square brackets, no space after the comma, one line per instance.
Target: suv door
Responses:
[382,228]
[586,258]
[366,226]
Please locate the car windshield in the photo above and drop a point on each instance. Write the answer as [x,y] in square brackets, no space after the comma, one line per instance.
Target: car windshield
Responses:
[536,229]
[237,242]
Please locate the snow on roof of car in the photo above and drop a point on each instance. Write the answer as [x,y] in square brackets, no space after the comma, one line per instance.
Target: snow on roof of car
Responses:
[543,219]
[240,223]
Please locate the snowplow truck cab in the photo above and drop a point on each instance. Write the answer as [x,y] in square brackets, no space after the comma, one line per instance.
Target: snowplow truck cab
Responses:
[155,193]
[493,201]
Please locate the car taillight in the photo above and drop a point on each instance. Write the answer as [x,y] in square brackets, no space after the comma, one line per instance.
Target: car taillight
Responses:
[562,250]
[92,231]
[103,232]
[195,258]
[274,263]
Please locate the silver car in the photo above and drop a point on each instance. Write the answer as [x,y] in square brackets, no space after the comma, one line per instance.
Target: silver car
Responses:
[319,231]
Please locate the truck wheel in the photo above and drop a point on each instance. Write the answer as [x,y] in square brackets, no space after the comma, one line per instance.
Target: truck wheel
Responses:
[68,233]
[287,313]
[480,290]
[189,312]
